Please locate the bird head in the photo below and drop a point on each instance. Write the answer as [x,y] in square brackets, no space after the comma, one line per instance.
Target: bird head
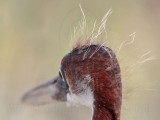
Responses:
[88,75]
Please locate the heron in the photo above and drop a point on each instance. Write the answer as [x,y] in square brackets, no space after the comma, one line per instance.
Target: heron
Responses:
[89,75]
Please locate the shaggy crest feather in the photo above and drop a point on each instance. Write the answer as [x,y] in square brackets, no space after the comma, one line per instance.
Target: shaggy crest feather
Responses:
[86,36]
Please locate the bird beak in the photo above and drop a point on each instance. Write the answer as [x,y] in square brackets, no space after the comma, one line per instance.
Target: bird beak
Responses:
[52,91]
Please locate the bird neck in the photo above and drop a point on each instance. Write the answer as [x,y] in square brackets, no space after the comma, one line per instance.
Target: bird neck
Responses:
[100,112]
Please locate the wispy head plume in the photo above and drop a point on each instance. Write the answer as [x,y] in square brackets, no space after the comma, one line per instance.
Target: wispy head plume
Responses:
[86,35]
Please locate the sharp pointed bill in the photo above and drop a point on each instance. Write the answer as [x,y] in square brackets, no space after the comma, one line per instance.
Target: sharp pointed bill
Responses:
[52,91]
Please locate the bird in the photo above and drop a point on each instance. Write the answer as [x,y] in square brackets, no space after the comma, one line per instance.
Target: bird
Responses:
[90,75]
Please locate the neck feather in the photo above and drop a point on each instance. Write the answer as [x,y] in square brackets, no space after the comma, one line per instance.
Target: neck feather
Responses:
[101,112]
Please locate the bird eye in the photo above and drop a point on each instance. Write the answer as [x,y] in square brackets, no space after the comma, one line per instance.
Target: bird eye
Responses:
[62,74]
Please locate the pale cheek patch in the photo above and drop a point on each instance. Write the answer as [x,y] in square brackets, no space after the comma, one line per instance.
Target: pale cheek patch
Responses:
[84,98]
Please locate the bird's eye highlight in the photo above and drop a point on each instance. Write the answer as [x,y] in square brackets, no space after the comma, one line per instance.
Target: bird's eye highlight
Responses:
[62,74]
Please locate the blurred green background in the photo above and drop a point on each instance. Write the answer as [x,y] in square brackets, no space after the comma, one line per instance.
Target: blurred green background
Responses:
[35,35]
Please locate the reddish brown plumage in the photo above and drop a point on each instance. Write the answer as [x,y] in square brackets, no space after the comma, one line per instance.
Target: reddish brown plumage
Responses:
[101,64]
